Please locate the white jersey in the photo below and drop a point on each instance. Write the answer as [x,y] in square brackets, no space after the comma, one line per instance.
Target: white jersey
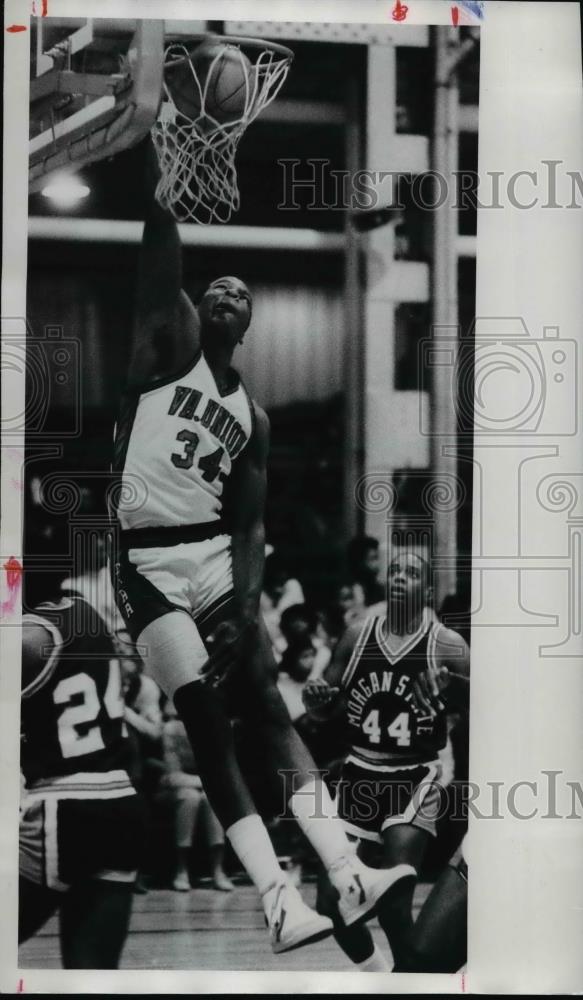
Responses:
[175,445]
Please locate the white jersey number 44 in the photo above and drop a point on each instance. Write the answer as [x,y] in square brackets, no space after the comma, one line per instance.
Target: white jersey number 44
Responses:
[398,730]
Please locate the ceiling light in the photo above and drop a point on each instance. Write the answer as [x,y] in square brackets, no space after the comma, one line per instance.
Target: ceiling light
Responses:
[65,190]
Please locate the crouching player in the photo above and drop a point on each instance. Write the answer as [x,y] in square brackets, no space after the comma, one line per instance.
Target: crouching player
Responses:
[392,678]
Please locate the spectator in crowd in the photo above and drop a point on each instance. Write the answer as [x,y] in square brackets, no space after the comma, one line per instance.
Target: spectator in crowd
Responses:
[363,565]
[181,789]
[330,626]
[142,713]
[280,591]
[296,666]
[143,718]
[349,598]
[301,622]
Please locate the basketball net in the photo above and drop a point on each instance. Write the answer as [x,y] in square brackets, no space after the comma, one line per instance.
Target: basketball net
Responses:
[197,155]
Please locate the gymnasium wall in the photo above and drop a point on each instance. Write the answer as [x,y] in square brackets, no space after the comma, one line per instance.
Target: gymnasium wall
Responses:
[292,351]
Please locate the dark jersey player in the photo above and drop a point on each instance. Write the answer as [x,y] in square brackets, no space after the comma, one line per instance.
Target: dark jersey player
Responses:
[80,823]
[392,678]
[191,447]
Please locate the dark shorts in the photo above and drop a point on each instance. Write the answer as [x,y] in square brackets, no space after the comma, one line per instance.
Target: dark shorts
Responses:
[372,797]
[64,840]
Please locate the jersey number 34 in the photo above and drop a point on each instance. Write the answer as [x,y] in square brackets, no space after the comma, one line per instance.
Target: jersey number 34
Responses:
[210,465]
[398,729]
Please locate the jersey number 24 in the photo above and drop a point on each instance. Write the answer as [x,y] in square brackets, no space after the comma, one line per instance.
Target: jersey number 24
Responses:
[76,736]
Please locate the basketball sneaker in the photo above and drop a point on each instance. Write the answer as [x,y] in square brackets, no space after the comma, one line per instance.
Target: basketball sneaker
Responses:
[361,888]
[181,882]
[291,923]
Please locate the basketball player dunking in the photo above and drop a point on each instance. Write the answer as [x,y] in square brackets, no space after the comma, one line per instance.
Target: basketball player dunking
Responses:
[391,678]
[189,573]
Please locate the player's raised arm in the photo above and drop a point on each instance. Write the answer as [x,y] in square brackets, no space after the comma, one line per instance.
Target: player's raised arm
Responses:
[166,326]
[322,697]
[453,659]
[342,655]
[448,686]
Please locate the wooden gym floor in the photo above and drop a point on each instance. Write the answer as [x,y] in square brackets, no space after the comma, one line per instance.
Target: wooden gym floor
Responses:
[204,929]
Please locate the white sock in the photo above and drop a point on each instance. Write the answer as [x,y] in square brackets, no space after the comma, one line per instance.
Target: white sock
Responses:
[317,817]
[376,963]
[251,844]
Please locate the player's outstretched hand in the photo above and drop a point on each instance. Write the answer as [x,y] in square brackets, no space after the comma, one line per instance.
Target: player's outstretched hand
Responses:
[317,694]
[228,643]
[428,688]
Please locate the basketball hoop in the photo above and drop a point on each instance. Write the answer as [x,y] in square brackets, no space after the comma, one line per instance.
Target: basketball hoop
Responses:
[196,153]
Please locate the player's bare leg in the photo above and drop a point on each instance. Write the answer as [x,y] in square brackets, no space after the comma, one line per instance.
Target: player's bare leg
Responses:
[172,642]
[402,844]
[439,940]
[261,706]
[94,921]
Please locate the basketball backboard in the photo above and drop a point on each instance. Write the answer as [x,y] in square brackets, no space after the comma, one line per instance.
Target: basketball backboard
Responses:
[95,89]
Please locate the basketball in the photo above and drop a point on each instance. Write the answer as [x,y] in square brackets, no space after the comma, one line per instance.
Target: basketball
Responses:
[222,71]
